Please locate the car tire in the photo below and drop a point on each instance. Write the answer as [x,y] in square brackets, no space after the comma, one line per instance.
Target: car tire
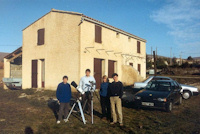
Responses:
[169,107]
[180,101]
[186,95]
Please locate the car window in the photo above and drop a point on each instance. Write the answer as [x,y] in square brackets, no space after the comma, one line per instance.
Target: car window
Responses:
[172,85]
[159,86]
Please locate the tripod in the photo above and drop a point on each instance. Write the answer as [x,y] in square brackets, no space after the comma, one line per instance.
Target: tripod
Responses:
[80,108]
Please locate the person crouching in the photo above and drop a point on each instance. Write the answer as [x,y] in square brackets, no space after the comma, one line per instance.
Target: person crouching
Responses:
[63,94]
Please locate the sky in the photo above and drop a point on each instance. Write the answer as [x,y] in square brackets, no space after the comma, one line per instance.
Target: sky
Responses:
[171,26]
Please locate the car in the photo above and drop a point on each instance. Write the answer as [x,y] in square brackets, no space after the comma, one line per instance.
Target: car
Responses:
[189,91]
[186,90]
[159,94]
[140,85]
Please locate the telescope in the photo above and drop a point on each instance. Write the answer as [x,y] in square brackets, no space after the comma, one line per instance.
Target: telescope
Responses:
[80,90]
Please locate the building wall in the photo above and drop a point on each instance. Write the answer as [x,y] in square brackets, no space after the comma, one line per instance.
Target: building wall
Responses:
[6,70]
[110,43]
[60,50]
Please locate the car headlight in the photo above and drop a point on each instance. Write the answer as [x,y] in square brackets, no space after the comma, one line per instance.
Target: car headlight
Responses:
[137,97]
[162,99]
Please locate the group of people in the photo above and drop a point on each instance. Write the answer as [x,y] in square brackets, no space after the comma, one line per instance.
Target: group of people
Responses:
[110,97]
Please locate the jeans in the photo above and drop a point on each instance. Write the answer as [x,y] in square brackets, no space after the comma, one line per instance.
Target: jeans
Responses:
[87,97]
[105,106]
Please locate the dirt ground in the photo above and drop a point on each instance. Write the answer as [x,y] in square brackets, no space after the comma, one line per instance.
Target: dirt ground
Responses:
[30,112]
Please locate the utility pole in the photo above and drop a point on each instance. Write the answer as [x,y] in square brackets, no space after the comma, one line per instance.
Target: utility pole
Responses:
[155,67]
[170,56]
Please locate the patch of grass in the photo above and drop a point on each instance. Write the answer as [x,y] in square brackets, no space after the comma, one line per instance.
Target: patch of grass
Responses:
[35,113]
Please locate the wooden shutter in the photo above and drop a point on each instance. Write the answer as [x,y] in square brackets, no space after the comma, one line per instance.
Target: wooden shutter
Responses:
[138,47]
[97,34]
[111,68]
[41,36]
[139,68]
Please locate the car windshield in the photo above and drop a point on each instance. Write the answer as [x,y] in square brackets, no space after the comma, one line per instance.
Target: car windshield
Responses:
[146,79]
[158,86]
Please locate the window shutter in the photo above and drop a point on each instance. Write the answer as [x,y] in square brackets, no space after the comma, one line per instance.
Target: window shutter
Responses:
[138,47]
[41,36]
[97,34]
[139,68]
[111,68]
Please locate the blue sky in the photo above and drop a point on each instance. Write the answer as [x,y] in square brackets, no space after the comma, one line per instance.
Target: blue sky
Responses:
[164,24]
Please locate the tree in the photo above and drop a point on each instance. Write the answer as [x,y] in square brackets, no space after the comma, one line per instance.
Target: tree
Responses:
[190,58]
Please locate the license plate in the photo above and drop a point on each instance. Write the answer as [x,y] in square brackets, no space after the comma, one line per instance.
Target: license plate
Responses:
[147,104]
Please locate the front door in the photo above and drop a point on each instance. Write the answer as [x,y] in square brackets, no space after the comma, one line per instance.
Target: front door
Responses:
[34,73]
[98,72]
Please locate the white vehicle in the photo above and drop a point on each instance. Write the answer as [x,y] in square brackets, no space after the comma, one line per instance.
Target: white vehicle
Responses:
[140,85]
[187,91]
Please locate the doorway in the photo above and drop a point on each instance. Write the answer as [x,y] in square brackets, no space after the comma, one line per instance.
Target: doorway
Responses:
[34,73]
[98,72]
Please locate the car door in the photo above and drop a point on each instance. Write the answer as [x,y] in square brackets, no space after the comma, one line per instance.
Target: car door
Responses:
[176,91]
[173,93]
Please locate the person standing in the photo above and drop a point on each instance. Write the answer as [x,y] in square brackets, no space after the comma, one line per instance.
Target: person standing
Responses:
[104,98]
[85,84]
[115,93]
[63,94]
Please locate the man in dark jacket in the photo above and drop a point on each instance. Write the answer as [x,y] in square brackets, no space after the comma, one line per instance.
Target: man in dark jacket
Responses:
[63,94]
[115,93]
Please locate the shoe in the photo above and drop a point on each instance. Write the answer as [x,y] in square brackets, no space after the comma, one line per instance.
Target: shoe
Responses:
[66,120]
[112,123]
[58,122]
[121,124]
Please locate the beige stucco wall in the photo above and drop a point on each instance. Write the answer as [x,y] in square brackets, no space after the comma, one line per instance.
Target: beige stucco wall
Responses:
[60,51]
[65,54]
[6,70]
[109,43]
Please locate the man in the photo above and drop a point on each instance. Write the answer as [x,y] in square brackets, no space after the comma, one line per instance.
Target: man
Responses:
[115,92]
[63,94]
[85,84]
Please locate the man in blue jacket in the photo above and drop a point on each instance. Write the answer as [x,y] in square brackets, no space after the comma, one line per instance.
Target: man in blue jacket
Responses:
[63,94]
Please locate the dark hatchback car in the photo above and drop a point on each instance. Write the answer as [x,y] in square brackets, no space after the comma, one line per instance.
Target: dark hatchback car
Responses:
[159,94]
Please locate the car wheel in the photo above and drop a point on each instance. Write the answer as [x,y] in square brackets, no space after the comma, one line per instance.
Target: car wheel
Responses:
[180,101]
[186,95]
[169,107]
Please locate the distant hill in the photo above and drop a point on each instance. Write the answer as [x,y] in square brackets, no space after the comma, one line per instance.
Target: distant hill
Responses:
[196,58]
[2,55]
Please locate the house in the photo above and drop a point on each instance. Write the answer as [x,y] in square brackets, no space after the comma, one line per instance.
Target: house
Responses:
[67,43]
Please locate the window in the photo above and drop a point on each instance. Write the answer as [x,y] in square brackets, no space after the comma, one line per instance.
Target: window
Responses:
[117,35]
[131,64]
[129,39]
[139,68]
[98,34]
[138,47]
[111,68]
[40,40]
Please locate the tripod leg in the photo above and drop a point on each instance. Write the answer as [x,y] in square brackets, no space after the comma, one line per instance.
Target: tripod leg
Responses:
[92,111]
[81,110]
[71,111]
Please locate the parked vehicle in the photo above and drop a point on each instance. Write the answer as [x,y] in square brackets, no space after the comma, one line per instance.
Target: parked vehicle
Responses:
[186,90]
[189,91]
[159,94]
[143,84]
[13,83]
